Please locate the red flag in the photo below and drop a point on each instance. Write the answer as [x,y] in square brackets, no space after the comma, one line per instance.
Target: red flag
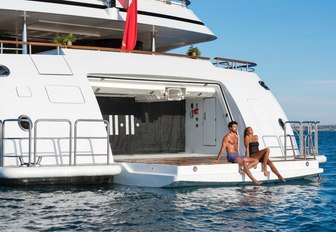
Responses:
[131,27]
[125,3]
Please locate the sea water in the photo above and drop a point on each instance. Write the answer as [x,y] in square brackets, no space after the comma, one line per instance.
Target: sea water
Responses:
[308,205]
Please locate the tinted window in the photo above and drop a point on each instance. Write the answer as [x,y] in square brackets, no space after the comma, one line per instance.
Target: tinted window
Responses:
[4,71]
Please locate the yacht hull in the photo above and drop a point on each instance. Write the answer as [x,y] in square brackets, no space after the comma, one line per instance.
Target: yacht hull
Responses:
[224,174]
[100,174]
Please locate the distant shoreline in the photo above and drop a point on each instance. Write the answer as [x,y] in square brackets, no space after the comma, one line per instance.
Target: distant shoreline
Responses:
[327,127]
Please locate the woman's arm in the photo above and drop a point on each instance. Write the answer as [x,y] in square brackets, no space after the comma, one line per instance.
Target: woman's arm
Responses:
[246,143]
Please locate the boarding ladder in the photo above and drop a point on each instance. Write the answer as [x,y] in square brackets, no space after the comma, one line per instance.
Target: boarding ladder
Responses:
[305,134]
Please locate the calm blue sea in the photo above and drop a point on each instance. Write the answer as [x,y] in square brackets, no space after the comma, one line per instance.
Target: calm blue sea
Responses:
[294,206]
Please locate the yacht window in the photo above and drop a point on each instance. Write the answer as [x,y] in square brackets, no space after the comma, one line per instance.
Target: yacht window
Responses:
[4,71]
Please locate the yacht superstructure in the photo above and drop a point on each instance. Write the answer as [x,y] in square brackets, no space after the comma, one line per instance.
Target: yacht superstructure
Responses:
[94,113]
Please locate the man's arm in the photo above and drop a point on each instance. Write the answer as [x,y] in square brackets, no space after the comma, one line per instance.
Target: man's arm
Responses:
[221,150]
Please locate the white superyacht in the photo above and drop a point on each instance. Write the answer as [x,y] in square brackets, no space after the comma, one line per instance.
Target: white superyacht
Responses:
[89,112]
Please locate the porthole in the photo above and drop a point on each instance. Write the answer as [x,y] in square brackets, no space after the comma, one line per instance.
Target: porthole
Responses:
[281,123]
[263,85]
[4,71]
[25,122]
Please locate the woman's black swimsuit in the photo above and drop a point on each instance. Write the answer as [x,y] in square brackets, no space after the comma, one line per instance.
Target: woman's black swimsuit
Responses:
[253,147]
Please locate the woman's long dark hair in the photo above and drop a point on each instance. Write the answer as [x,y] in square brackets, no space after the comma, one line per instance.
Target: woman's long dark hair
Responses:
[245,131]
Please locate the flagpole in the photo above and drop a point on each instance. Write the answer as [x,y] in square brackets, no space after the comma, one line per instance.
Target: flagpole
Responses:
[153,39]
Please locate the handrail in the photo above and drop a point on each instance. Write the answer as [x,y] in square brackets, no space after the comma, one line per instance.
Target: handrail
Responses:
[176,2]
[56,121]
[274,146]
[1,145]
[29,138]
[304,140]
[107,137]
[32,157]
[58,46]
[312,130]
[235,64]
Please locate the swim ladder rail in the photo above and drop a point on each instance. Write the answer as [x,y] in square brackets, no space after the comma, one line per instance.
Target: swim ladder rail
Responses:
[304,132]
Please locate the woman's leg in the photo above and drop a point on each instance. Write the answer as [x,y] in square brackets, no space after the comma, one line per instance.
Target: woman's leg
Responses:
[275,170]
[244,162]
[263,155]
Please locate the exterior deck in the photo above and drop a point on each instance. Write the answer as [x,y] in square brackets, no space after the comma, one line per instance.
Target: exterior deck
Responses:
[177,161]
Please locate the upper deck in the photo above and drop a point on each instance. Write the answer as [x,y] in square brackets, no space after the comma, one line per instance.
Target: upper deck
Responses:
[101,23]
[14,47]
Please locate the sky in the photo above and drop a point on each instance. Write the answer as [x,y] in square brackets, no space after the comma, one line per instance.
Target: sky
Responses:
[293,43]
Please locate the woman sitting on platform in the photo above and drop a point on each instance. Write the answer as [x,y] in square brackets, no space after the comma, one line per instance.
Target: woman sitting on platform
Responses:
[252,150]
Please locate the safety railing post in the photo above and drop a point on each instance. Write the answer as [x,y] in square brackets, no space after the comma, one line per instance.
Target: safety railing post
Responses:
[302,143]
[316,140]
[1,145]
[75,144]
[285,141]
[29,143]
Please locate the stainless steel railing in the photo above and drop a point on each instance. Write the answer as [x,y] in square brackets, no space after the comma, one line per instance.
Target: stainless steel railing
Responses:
[305,133]
[76,138]
[1,145]
[33,154]
[37,138]
[4,138]
[176,2]
[228,63]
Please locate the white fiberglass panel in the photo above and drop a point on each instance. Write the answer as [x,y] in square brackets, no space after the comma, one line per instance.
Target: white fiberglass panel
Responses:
[65,94]
[23,91]
[265,124]
[51,65]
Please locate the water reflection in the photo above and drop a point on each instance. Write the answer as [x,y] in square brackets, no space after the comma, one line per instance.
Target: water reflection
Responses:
[130,208]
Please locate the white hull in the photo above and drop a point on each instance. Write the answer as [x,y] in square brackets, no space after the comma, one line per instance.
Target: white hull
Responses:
[159,175]
[66,174]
